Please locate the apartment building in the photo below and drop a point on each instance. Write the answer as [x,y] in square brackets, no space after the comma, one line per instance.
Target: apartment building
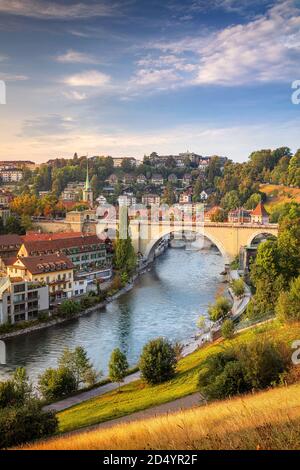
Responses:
[118,161]
[10,174]
[55,271]
[150,199]
[22,300]
[72,192]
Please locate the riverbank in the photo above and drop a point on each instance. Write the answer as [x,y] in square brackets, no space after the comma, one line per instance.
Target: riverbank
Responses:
[52,321]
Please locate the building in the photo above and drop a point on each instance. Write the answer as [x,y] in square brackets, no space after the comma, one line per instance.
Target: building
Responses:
[10,245]
[126,200]
[118,161]
[185,198]
[141,179]
[128,179]
[79,287]
[150,199]
[240,215]
[5,197]
[10,175]
[259,215]
[172,178]
[54,270]
[22,300]
[18,164]
[87,193]
[157,180]
[112,179]
[72,192]
[187,179]
[101,200]
[4,213]
[89,254]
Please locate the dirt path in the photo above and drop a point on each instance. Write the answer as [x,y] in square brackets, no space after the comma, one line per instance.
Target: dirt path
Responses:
[190,401]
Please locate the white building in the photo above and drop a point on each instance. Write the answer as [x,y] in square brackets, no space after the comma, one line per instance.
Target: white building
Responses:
[11,175]
[126,200]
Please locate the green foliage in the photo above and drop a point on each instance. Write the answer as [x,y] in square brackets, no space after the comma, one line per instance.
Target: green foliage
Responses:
[118,366]
[220,309]
[22,424]
[248,366]
[227,329]
[69,308]
[78,363]
[17,390]
[238,287]
[158,361]
[54,384]
[231,200]
[253,200]
[288,304]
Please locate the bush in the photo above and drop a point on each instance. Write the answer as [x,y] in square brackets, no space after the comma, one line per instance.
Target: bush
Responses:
[15,391]
[288,304]
[238,287]
[158,361]
[220,309]
[22,424]
[118,366]
[68,308]
[56,383]
[253,366]
[227,329]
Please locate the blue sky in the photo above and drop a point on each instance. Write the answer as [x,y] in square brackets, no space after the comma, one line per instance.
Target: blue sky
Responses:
[129,77]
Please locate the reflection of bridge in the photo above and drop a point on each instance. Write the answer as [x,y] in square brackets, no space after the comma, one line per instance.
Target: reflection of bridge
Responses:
[228,238]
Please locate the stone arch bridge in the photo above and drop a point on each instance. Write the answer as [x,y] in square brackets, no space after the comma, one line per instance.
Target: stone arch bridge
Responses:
[228,237]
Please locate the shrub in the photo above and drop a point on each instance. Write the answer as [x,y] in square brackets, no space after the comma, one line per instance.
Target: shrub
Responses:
[118,366]
[220,309]
[254,366]
[238,287]
[158,361]
[15,391]
[78,363]
[288,304]
[54,384]
[227,329]
[68,308]
[22,424]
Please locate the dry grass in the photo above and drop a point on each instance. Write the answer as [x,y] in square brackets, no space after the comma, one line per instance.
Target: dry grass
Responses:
[265,420]
[279,194]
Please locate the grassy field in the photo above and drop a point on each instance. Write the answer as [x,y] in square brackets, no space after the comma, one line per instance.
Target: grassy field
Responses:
[265,420]
[278,194]
[138,396]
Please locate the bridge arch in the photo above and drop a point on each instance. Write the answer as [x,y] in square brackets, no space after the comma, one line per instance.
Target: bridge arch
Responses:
[153,241]
[255,234]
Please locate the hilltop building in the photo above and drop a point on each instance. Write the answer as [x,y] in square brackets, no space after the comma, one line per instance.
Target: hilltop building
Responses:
[87,193]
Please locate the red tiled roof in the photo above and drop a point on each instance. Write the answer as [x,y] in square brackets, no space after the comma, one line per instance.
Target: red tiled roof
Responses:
[260,210]
[10,239]
[46,263]
[36,236]
[44,246]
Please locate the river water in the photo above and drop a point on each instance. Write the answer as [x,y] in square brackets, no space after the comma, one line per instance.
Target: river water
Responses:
[165,301]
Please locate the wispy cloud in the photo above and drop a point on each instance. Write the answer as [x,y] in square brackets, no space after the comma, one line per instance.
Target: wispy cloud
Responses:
[9,77]
[76,57]
[89,78]
[55,10]
[265,49]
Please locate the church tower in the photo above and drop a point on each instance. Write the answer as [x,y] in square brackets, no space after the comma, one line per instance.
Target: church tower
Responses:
[87,193]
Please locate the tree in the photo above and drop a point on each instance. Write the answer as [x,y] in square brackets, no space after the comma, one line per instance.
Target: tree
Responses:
[238,287]
[78,363]
[220,309]
[253,200]
[16,391]
[68,308]
[169,195]
[118,366]
[288,304]
[124,256]
[54,384]
[231,200]
[227,329]
[158,361]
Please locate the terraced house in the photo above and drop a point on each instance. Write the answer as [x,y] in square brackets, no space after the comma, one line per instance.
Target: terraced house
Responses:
[90,255]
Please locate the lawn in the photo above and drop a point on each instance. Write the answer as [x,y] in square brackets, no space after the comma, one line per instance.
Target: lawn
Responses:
[279,194]
[139,396]
[265,420]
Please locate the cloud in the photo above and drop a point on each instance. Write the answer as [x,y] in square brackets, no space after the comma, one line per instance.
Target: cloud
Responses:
[53,124]
[265,49]
[89,78]
[76,57]
[8,77]
[54,10]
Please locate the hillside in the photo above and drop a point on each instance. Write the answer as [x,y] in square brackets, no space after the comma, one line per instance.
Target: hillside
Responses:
[266,420]
[278,194]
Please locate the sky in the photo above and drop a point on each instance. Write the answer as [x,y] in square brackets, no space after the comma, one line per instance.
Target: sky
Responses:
[129,77]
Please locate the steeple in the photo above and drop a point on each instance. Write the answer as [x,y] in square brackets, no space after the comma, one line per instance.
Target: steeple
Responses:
[87,181]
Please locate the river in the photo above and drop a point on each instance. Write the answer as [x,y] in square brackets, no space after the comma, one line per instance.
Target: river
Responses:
[165,301]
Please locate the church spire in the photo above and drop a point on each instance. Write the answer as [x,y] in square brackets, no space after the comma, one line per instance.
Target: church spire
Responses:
[87,181]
